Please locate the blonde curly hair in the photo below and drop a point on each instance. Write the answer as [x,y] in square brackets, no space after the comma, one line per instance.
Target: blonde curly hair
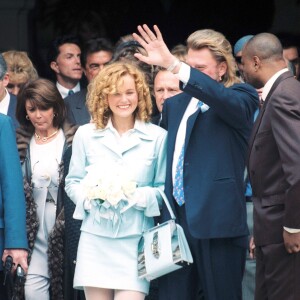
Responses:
[107,82]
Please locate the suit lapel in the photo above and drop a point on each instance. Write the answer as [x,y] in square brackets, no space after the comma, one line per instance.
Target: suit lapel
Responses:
[189,126]
[80,110]
[81,95]
[262,111]
[255,127]
[109,140]
[133,141]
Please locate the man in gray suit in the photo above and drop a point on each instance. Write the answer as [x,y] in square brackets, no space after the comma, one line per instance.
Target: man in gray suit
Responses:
[273,167]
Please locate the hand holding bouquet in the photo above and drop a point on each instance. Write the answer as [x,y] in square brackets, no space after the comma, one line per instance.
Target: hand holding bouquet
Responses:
[109,184]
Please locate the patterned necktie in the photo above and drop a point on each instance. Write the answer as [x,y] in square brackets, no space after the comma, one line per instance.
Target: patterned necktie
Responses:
[71,92]
[178,191]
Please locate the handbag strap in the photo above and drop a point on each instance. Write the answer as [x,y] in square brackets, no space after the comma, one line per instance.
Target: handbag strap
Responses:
[167,204]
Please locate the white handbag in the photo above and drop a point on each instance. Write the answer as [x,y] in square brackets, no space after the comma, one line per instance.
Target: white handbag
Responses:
[163,248]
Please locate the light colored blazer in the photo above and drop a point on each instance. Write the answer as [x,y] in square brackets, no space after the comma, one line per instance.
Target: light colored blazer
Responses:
[144,155]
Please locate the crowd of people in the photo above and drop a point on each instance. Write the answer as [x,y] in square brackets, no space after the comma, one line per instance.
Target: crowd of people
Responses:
[88,156]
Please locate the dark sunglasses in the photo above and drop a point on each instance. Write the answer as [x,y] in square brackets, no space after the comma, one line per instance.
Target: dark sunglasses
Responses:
[238,59]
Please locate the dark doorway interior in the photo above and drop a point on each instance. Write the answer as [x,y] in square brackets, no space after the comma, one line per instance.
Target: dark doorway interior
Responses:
[114,18]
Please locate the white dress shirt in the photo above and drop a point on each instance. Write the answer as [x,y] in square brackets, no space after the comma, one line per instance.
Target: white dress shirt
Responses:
[65,92]
[4,103]
[184,76]
[270,82]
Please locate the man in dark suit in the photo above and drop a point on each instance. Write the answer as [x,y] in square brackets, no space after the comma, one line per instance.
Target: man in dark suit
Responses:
[96,54]
[209,123]
[64,60]
[13,240]
[274,164]
[8,102]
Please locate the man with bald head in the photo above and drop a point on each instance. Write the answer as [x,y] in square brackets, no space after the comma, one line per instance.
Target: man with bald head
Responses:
[274,170]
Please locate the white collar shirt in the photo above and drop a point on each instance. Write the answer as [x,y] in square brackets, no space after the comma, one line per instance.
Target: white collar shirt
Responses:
[270,82]
[184,76]
[4,103]
[65,92]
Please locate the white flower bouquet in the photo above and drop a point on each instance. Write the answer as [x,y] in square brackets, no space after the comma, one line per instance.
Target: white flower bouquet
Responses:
[109,185]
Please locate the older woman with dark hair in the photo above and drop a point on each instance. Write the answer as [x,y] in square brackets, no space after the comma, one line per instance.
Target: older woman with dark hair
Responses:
[42,139]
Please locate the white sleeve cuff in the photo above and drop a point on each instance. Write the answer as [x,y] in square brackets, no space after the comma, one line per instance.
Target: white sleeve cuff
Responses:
[291,230]
[80,212]
[184,73]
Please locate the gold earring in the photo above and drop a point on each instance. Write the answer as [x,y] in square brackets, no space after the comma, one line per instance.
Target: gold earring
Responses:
[27,117]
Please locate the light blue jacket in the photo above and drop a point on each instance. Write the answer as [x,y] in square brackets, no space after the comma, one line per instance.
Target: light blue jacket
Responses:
[143,154]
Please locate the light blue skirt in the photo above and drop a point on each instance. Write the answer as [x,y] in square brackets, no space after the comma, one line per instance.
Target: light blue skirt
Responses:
[109,263]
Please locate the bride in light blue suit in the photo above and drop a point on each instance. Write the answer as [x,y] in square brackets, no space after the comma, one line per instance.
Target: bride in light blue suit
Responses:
[120,136]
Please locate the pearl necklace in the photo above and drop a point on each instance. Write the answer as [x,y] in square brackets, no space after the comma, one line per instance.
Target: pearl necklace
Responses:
[45,138]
